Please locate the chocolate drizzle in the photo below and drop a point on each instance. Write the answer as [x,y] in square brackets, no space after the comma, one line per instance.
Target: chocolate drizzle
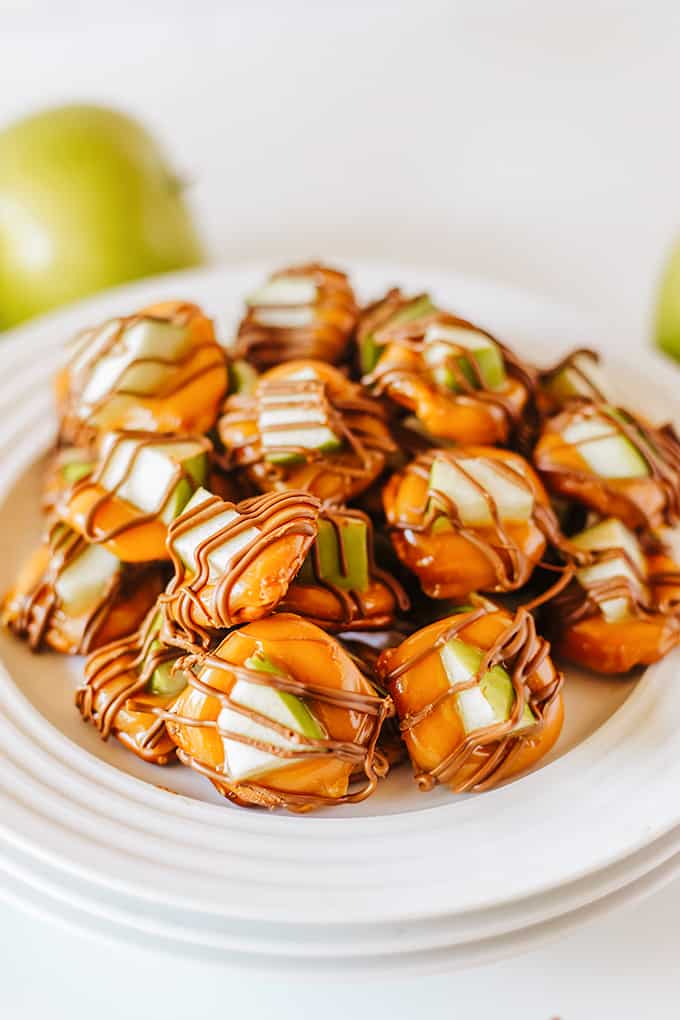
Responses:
[512,567]
[192,613]
[90,531]
[344,416]
[570,363]
[334,313]
[410,335]
[354,611]
[521,651]
[39,609]
[121,670]
[77,420]
[361,754]
[658,447]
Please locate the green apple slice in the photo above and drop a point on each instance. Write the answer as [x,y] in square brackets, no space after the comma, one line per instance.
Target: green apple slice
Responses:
[163,681]
[370,351]
[74,467]
[220,557]
[243,761]
[491,700]
[612,534]
[124,367]
[605,450]
[285,302]
[242,377]
[284,290]
[140,472]
[439,341]
[84,581]
[354,538]
[286,419]
[515,502]
[580,378]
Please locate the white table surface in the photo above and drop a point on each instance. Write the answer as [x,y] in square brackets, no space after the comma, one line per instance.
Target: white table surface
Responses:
[535,142]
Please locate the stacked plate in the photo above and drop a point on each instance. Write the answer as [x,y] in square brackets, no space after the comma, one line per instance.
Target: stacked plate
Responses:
[89,837]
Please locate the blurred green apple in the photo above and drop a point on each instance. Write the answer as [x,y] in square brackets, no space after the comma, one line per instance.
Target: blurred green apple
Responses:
[87,201]
[668,309]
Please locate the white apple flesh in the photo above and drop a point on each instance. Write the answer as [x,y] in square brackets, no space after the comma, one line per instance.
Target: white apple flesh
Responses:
[514,501]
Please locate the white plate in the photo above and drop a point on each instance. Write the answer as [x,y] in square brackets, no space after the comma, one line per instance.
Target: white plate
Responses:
[405,879]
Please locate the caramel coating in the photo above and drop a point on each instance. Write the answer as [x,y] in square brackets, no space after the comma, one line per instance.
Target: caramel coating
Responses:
[198,603]
[32,610]
[473,415]
[334,477]
[452,562]
[188,402]
[638,502]
[114,697]
[334,316]
[432,727]
[313,666]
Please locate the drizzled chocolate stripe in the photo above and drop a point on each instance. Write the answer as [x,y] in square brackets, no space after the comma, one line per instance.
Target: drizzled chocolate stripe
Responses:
[351,605]
[658,447]
[344,414]
[135,659]
[361,754]
[570,363]
[521,651]
[335,313]
[73,419]
[411,335]
[275,515]
[143,440]
[511,566]
[40,609]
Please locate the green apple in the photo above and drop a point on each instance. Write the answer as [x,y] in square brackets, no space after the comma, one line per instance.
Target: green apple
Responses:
[242,377]
[221,555]
[612,534]
[163,680]
[285,302]
[491,700]
[580,378]
[287,419]
[140,472]
[74,466]
[354,538]
[370,351]
[605,450]
[668,308]
[243,761]
[87,201]
[515,502]
[140,361]
[84,581]
[439,341]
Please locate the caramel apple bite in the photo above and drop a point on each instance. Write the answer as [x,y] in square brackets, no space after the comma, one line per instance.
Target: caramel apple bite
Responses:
[340,587]
[469,519]
[278,715]
[306,311]
[159,370]
[458,380]
[75,597]
[612,462]
[620,609]
[477,696]
[576,376]
[233,563]
[140,483]
[126,682]
[307,427]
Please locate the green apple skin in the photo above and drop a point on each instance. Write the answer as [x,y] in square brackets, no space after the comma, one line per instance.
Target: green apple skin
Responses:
[668,308]
[87,201]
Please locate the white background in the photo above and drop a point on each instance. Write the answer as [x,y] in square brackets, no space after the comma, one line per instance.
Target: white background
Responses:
[536,142]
